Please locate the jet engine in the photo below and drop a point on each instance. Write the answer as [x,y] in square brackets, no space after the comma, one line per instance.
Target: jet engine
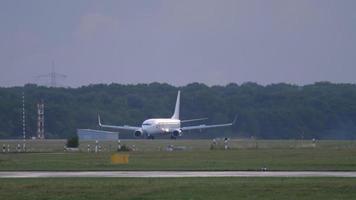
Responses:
[138,133]
[177,133]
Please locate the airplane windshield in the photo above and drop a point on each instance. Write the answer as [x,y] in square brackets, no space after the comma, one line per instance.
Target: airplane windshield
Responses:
[146,124]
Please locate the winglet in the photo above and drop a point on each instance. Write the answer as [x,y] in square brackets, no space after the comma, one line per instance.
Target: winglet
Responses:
[99,121]
[235,119]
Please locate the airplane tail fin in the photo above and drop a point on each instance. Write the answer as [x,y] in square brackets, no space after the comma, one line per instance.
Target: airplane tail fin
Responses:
[176,109]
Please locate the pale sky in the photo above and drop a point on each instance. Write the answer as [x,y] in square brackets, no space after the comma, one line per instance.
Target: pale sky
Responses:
[178,42]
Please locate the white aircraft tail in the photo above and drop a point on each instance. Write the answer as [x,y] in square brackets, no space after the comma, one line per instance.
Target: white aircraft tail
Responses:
[176,109]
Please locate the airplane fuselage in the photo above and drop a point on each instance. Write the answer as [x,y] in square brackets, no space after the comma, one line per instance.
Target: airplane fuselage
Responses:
[160,126]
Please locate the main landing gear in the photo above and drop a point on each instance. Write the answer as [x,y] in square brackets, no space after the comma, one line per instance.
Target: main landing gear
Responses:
[151,137]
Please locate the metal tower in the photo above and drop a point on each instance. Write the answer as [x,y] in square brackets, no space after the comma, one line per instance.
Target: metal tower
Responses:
[53,76]
[23,122]
[40,120]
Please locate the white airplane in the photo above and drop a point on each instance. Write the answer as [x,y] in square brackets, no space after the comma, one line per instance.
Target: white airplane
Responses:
[166,126]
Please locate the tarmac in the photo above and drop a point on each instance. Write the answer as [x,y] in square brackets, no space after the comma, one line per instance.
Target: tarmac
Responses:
[171,174]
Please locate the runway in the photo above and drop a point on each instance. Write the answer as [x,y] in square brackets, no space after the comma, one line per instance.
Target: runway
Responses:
[171,174]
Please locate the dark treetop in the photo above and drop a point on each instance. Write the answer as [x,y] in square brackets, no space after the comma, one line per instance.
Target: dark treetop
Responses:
[321,110]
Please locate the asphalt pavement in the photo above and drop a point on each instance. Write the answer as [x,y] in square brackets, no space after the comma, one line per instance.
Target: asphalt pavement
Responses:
[172,174]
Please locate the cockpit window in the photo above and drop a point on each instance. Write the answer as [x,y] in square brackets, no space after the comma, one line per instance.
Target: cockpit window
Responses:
[146,124]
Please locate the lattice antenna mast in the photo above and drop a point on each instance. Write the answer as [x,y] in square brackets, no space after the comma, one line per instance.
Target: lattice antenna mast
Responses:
[40,120]
[23,121]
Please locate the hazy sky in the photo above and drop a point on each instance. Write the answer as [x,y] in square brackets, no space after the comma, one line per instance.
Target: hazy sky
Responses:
[178,42]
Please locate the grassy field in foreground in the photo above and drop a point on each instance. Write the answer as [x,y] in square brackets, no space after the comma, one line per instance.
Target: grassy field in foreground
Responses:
[236,159]
[188,145]
[152,155]
[179,188]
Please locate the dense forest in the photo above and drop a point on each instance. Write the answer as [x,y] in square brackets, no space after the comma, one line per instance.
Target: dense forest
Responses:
[322,110]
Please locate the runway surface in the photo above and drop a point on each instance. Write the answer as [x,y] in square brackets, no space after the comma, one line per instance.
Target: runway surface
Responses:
[159,174]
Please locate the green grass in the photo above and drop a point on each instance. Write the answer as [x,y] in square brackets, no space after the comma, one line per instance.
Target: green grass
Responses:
[178,188]
[240,159]
[191,145]
[244,155]
[275,155]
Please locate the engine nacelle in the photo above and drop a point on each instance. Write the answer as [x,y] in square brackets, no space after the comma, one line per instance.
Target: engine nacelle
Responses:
[177,133]
[138,133]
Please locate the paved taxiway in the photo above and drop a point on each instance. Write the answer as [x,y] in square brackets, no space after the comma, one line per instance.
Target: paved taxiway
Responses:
[157,174]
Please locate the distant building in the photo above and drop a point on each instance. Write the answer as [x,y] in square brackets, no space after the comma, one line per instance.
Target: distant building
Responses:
[90,134]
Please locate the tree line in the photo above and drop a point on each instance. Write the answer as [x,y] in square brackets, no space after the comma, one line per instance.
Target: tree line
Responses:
[277,111]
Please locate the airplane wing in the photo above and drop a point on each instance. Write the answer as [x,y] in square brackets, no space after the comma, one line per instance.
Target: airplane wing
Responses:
[193,120]
[203,126]
[125,127]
